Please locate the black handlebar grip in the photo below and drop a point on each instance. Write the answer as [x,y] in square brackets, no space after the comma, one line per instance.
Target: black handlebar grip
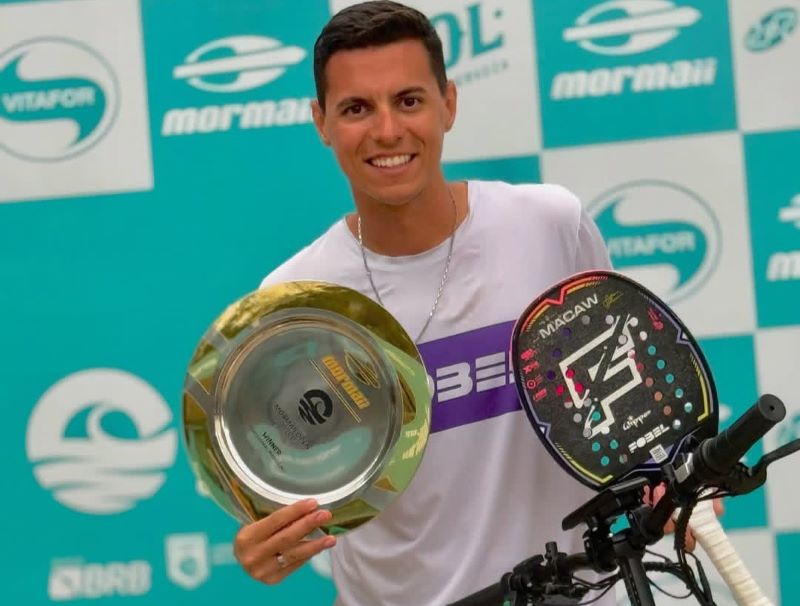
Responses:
[718,455]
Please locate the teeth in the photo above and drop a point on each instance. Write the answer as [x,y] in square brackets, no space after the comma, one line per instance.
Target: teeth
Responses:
[389,161]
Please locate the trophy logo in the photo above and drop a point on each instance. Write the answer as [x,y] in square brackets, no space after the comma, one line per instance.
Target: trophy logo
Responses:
[316,407]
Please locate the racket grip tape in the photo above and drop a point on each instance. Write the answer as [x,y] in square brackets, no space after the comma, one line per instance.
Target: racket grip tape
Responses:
[712,538]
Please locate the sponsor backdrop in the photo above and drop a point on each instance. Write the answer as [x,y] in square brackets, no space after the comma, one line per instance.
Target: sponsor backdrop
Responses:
[158,158]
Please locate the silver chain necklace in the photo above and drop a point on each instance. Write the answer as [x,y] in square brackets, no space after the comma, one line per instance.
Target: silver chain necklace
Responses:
[444,273]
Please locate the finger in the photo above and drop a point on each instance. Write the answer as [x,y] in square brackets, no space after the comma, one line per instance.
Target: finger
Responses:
[308,549]
[268,526]
[273,572]
[288,538]
[690,541]
[291,535]
[669,527]
[719,507]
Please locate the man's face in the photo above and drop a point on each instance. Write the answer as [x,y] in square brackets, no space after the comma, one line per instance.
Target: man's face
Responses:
[385,118]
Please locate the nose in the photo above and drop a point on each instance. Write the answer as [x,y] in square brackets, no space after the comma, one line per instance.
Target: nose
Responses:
[387,127]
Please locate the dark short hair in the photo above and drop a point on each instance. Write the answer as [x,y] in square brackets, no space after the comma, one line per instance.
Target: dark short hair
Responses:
[375,23]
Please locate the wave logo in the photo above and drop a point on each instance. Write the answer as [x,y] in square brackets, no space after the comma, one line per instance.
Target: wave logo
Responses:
[772,29]
[58,98]
[100,440]
[237,63]
[659,234]
[627,27]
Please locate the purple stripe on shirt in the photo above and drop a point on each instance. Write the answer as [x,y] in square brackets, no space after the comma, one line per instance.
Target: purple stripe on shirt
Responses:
[472,375]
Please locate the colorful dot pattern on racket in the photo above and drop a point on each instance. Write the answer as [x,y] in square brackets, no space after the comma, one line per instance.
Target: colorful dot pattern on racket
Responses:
[610,378]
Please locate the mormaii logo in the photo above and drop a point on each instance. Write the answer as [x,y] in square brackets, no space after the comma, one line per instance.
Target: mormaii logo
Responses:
[630,27]
[626,27]
[58,97]
[237,64]
[785,265]
[100,440]
[660,234]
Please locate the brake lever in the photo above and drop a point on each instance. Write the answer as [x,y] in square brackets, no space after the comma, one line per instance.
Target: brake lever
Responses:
[743,479]
[778,453]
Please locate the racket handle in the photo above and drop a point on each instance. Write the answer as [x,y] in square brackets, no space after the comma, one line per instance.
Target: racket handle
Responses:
[712,538]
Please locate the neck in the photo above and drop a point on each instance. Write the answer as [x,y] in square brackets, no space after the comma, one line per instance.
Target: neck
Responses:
[413,227]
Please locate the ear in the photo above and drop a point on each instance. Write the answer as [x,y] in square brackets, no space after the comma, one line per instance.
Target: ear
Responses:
[318,115]
[451,104]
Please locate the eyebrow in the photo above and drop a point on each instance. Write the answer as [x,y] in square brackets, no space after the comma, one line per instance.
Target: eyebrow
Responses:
[347,101]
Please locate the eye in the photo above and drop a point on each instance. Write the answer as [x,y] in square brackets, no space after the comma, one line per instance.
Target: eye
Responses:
[353,110]
[410,102]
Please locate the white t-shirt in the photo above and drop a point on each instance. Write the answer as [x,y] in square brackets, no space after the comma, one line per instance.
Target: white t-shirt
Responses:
[487,494]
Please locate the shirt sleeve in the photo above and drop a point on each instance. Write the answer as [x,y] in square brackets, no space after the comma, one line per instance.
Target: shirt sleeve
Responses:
[591,251]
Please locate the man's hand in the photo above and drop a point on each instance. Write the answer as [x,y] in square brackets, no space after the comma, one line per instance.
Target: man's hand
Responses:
[669,528]
[272,548]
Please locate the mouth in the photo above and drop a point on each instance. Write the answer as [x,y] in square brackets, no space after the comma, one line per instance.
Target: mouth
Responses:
[394,161]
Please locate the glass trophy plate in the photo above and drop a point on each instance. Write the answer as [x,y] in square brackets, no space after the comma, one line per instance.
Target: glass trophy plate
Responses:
[306,389]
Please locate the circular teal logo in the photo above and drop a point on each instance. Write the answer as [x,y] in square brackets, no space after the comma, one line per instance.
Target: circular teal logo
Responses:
[58,98]
[772,29]
[660,234]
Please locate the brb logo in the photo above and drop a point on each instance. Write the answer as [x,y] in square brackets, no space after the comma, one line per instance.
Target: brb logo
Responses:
[660,234]
[58,97]
[100,441]
[78,580]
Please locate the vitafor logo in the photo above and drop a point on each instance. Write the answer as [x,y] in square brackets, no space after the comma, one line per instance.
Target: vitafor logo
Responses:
[58,97]
[785,265]
[100,441]
[471,39]
[76,579]
[628,27]
[235,65]
[660,234]
[187,559]
[772,29]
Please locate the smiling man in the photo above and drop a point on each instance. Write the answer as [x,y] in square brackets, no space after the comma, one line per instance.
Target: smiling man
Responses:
[456,264]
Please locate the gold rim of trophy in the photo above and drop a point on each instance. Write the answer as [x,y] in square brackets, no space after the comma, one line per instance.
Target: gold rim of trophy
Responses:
[276,312]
